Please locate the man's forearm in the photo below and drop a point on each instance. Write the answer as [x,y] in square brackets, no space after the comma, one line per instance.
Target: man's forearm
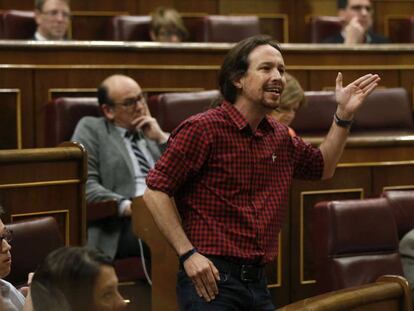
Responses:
[165,216]
[332,148]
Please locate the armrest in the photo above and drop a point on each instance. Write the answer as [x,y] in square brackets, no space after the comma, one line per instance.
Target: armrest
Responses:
[101,210]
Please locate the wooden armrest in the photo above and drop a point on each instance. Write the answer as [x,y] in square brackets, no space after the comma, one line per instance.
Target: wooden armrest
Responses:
[101,210]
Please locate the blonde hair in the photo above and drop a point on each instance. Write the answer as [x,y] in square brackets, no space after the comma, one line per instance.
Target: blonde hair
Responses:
[292,94]
[168,18]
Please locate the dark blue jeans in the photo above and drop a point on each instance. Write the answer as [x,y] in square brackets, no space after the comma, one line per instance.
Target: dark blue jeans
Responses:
[234,294]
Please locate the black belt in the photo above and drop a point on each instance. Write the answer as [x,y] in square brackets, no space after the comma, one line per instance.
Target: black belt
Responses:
[244,272]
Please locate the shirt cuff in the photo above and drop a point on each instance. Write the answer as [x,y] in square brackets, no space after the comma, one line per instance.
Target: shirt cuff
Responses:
[123,205]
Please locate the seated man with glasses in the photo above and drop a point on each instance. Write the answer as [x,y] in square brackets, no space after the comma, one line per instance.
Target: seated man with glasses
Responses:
[357,16]
[52,18]
[10,298]
[122,146]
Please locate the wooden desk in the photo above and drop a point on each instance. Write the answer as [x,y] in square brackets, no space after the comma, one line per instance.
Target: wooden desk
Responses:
[164,261]
[34,72]
[46,182]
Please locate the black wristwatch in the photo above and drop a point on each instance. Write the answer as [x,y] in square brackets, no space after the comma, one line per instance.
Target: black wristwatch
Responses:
[187,255]
[342,123]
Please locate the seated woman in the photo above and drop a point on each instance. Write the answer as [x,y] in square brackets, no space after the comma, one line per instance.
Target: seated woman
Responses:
[10,298]
[76,278]
[167,26]
[291,100]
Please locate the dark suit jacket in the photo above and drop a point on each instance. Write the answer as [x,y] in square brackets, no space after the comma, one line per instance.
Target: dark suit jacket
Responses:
[374,38]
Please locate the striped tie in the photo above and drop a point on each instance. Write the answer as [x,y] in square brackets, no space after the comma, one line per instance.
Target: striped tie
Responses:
[142,160]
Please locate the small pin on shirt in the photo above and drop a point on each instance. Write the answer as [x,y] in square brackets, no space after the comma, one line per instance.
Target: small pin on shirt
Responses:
[274,157]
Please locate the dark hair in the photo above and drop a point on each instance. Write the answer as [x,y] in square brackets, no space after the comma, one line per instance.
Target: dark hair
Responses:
[102,94]
[66,278]
[236,64]
[342,4]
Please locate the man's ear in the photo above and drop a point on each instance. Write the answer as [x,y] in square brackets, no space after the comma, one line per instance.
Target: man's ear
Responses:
[108,111]
[238,82]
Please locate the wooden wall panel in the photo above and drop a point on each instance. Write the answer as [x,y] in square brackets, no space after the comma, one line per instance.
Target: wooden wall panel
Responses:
[398,177]
[39,70]
[324,79]
[407,82]
[22,81]
[10,119]
[247,7]
[348,183]
[385,8]
[42,182]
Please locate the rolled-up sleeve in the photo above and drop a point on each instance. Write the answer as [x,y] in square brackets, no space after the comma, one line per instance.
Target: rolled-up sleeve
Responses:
[187,150]
[308,160]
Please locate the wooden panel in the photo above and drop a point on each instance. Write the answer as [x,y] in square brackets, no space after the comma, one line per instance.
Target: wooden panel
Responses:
[397,177]
[278,271]
[324,79]
[42,182]
[348,183]
[10,119]
[246,7]
[164,260]
[384,8]
[299,25]
[208,7]
[20,81]
[92,26]
[36,70]
[275,26]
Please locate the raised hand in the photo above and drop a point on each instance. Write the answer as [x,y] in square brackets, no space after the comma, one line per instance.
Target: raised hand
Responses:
[151,128]
[354,32]
[350,97]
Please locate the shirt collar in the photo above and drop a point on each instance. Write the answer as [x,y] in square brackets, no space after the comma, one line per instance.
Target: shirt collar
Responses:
[265,126]
[122,131]
[39,37]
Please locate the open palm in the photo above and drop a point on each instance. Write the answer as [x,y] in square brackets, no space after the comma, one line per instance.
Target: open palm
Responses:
[350,97]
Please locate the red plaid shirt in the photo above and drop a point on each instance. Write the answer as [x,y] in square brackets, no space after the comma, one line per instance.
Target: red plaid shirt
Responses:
[231,185]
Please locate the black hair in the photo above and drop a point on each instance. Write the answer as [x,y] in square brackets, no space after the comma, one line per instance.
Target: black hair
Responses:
[236,64]
[102,94]
[66,278]
[342,4]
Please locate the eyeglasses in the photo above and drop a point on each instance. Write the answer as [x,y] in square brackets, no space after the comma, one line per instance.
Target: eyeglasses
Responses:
[55,13]
[7,235]
[358,8]
[130,102]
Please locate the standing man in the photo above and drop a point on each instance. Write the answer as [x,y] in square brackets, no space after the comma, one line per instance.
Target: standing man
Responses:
[122,146]
[52,19]
[357,16]
[229,170]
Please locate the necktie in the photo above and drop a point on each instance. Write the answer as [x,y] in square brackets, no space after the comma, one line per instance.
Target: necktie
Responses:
[142,160]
